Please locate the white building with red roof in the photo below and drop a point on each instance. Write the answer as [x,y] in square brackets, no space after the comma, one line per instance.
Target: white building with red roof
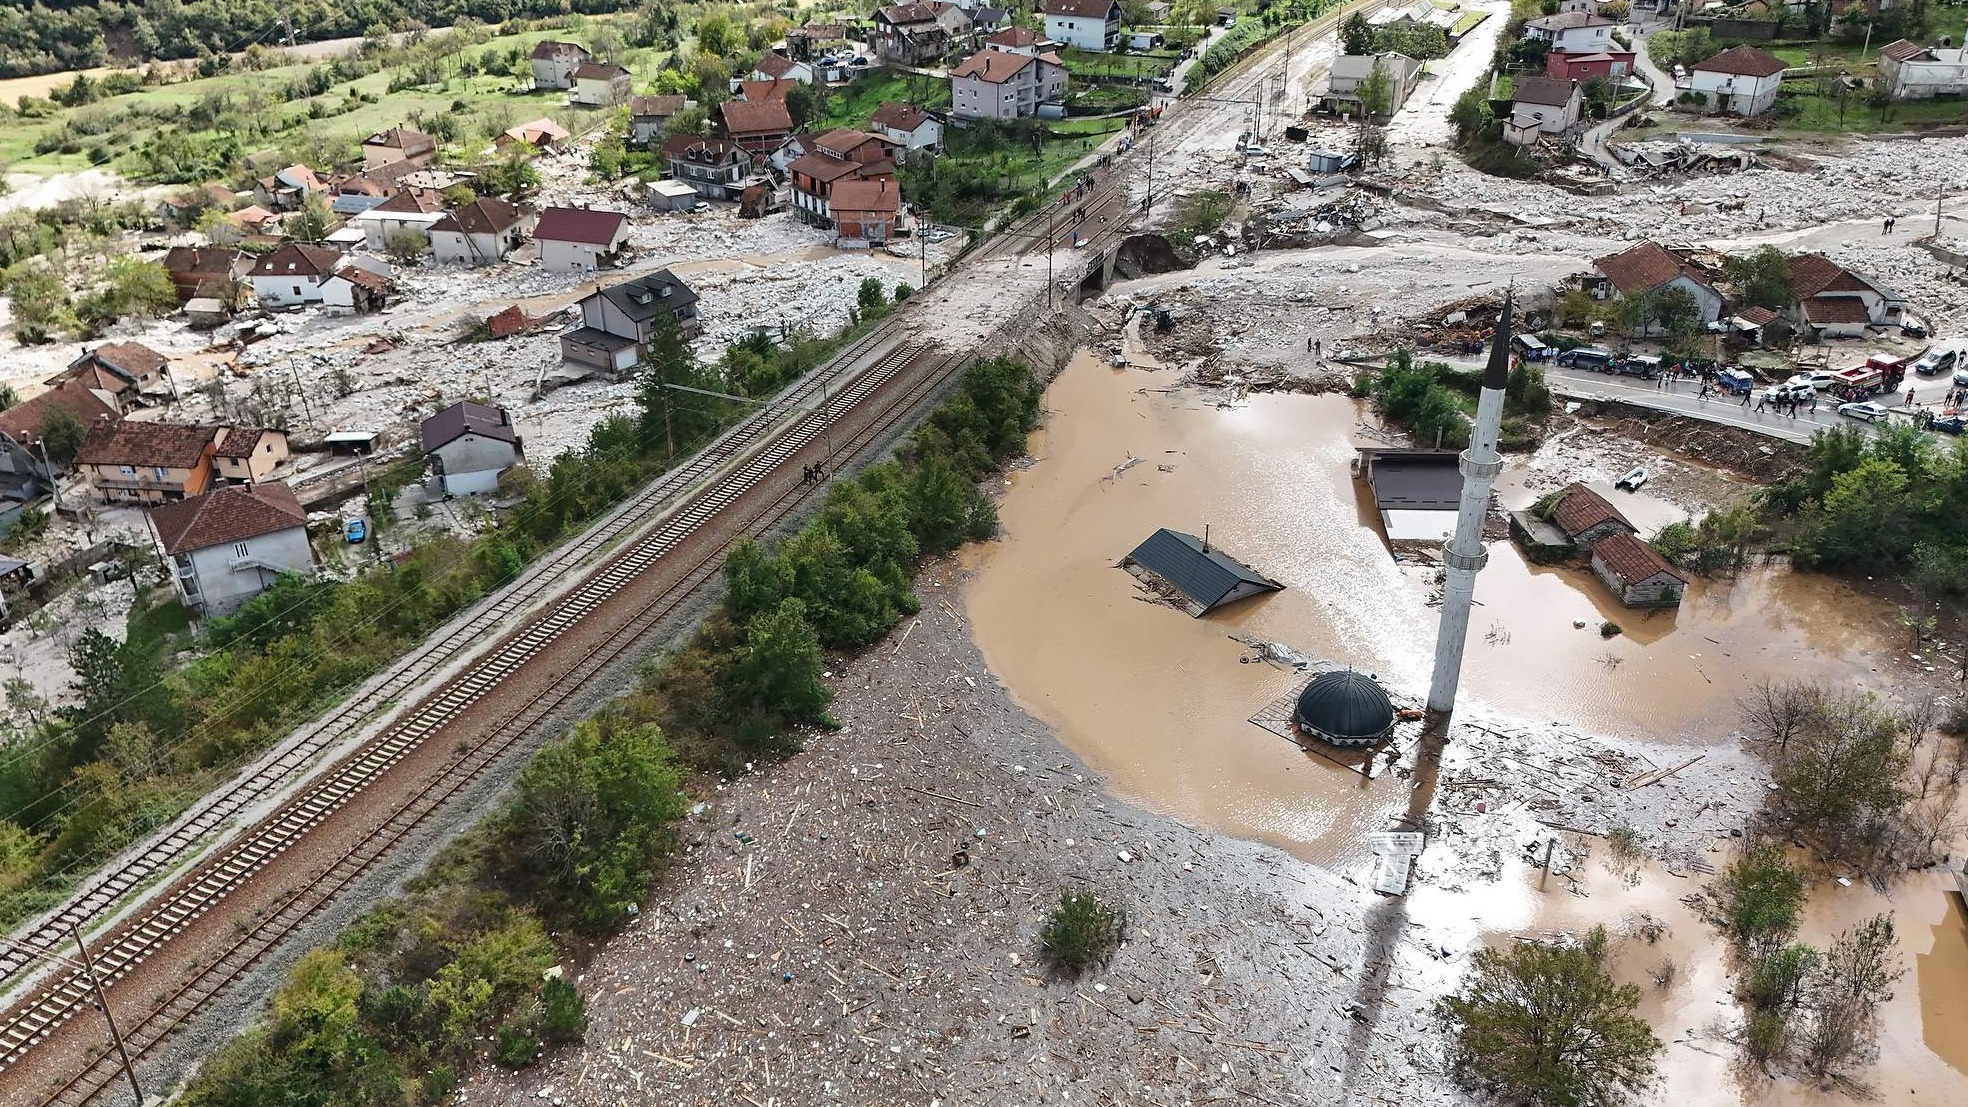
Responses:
[1739,81]
[580,240]
[232,543]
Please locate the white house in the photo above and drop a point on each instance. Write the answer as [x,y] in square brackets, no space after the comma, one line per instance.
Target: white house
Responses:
[395,145]
[619,319]
[1349,70]
[599,85]
[362,286]
[1086,24]
[1647,269]
[468,445]
[232,543]
[994,84]
[580,240]
[779,67]
[1739,81]
[649,117]
[908,125]
[554,63]
[1572,32]
[412,210]
[480,233]
[1914,72]
[293,275]
[1554,105]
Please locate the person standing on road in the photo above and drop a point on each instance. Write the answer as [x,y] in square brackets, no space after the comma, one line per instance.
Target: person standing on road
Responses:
[1814,403]
[1746,395]
[1909,397]
[1762,402]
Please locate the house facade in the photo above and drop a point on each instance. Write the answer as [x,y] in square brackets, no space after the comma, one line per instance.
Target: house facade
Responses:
[468,445]
[1572,32]
[779,67]
[715,167]
[292,276]
[1738,81]
[411,211]
[757,126]
[1084,24]
[994,84]
[1553,106]
[580,240]
[1914,72]
[146,463]
[1647,269]
[649,118]
[358,288]
[1349,71]
[398,144]
[126,373]
[866,212]
[554,63]
[599,85]
[1838,303]
[247,455]
[482,232]
[918,34]
[1636,573]
[231,544]
[908,126]
[618,320]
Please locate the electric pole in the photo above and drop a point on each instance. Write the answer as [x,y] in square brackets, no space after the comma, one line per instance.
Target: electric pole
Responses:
[89,967]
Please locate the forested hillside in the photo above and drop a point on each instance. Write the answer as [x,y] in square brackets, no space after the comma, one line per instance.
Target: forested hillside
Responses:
[51,35]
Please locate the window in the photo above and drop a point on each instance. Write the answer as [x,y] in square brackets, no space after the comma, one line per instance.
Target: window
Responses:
[297,290]
[159,472]
[239,549]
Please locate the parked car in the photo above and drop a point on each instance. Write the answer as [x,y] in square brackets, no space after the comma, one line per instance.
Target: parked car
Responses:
[1815,379]
[355,530]
[1935,361]
[1792,390]
[1641,365]
[1587,357]
[1254,150]
[1912,327]
[1950,424]
[1961,376]
[1865,409]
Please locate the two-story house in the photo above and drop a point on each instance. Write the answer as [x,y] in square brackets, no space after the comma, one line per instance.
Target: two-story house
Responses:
[618,320]
[715,167]
[1741,80]
[140,462]
[1541,105]
[247,455]
[779,67]
[599,85]
[580,240]
[398,144]
[411,211]
[866,212]
[1646,269]
[1086,24]
[229,545]
[482,232]
[996,84]
[25,422]
[554,63]
[1349,71]
[293,275]
[757,126]
[908,126]
[1572,32]
[918,34]
[468,445]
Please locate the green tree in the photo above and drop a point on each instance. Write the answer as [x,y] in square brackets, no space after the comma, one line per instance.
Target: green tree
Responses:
[1850,982]
[776,673]
[314,220]
[1471,115]
[715,34]
[405,246]
[871,298]
[511,177]
[1762,278]
[605,160]
[1376,97]
[1549,1025]
[141,288]
[61,435]
[1357,35]
[1841,782]
[1757,901]
[671,418]
[803,104]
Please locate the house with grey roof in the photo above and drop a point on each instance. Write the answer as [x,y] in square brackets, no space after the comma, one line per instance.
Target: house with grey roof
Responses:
[617,321]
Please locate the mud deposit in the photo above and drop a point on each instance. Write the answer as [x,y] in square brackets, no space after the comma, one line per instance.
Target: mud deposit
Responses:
[1159,701]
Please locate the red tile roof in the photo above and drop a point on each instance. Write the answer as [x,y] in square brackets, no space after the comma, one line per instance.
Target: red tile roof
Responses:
[752,91]
[594,226]
[700,150]
[127,442]
[1756,316]
[485,215]
[1014,36]
[1644,267]
[551,48]
[774,65]
[134,359]
[823,167]
[413,201]
[356,275]
[230,514]
[23,421]
[1836,309]
[992,66]
[753,118]
[1811,274]
[1579,509]
[1632,560]
[1902,50]
[1543,90]
[295,259]
[240,442]
[898,117]
[879,195]
[656,107]
[1743,61]
[404,139]
[600,71]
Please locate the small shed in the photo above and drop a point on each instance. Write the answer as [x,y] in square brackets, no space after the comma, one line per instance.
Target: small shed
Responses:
[1586,517]
[1637,573]
[1323,161]
[352,442]
[671,196]
[1189,570]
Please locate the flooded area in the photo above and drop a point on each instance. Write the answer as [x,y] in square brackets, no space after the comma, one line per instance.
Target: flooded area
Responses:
[1159,702]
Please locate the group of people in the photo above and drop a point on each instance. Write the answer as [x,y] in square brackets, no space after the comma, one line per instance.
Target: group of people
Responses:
[1781,403]
[813,474]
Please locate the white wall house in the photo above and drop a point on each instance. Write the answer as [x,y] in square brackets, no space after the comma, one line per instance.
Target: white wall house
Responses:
[412,210]
[482,232]
[994,84]
[554,63]
[1553,105]
[580,240]
[1914,72]
[292,275]
[1349,70]
[1572,32]
[1085,24]
[468,445]
[909,125]
[1738,81]
[231,544]
[1646,269]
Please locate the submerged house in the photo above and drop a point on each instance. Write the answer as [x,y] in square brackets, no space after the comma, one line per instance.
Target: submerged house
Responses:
[1187,569]
[1416,492]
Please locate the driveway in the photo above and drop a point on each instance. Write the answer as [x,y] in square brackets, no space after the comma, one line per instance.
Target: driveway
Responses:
[1593,142]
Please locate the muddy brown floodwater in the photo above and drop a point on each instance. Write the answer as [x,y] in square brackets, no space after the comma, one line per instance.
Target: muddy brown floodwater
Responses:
[1158,701]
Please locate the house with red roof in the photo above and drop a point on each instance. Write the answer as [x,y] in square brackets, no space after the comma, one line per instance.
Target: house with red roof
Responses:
[757,126]
[1838,303]
[833,158]
[866,212]
[997,84]
[1647,269]
[1636,572]
[580,240]
[1741,80]
[1086,24]
[229,545]
[908,126]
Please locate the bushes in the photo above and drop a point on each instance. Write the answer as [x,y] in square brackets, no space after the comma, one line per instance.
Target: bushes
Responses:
[1081,931]
[1415,394]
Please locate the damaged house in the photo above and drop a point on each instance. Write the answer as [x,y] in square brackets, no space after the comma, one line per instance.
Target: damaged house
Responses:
[1838,303]
[618,320]
[581,240]
[1647,269]
[125,374]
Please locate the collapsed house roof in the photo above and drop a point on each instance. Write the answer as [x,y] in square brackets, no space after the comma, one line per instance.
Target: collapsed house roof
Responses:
[1206,577]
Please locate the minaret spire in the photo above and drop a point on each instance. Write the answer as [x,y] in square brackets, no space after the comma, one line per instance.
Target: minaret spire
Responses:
[1465,555]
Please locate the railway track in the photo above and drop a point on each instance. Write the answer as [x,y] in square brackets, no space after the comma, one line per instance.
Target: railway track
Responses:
[279,768]
[899,381]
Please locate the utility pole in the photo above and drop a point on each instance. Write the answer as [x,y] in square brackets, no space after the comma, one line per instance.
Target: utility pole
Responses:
[53,480]
[89,967]
[295,374]
[922,249]
[1052,243]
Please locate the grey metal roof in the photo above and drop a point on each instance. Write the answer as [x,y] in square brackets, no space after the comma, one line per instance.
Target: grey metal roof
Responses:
[1207,577]
[1415,480]
[641,298]
[464,418]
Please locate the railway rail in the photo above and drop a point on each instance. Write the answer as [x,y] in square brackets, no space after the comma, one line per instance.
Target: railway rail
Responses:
[900,380]
[279,768]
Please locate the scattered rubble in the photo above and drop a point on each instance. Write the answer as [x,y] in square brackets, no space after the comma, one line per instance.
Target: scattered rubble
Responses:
[1683,158]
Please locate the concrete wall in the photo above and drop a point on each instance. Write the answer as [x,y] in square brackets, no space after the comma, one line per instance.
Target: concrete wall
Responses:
[569,257]
[226,578]
[459,248]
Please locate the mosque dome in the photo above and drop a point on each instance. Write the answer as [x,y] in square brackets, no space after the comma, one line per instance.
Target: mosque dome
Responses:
[1344,708]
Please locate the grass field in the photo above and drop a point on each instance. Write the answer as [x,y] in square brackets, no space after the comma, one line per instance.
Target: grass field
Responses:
[851,106]
[1820,114]
[1811,53]
[1144,66]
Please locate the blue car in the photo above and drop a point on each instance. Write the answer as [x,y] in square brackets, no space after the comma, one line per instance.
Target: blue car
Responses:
[355,530]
